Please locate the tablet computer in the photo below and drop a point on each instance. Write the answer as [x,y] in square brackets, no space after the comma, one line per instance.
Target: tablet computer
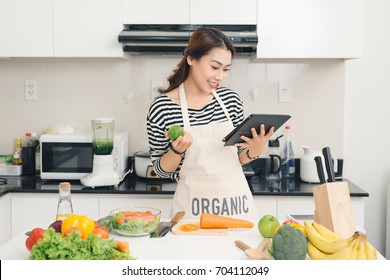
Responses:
[254,120]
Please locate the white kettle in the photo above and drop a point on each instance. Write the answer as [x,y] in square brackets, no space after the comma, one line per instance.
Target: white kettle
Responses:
[308,165]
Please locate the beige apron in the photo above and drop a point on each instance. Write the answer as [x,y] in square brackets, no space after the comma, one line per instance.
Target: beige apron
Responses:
[211,177]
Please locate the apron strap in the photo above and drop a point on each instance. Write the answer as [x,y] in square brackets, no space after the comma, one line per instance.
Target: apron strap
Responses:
[221,104]
[184,107]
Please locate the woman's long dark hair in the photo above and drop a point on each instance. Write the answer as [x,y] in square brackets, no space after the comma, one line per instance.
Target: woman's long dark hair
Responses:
[201,42]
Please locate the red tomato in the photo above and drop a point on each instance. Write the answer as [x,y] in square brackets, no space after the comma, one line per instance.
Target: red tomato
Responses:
[290,221]
[101,231]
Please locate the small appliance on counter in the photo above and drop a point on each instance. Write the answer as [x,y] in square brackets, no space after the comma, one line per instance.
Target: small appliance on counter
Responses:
[70,156]
[143,165]
[308,170]
[103,173]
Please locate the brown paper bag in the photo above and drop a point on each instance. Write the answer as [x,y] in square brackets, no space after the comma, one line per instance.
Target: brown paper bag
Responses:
[333,208]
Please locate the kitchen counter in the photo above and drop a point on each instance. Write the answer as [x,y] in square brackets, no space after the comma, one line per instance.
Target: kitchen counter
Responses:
[132,184]
[169,247]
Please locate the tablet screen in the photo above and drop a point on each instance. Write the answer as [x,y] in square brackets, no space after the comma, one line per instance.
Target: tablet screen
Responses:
[254,120]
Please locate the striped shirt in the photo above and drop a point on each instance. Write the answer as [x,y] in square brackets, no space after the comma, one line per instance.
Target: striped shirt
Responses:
[163,113]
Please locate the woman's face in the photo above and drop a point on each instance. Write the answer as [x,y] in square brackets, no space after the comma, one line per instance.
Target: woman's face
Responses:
[210,69]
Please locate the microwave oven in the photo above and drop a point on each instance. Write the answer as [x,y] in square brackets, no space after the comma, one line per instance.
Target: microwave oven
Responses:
[70,156]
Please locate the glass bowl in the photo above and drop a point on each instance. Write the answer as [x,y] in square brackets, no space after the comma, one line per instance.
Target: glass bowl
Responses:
[135,221]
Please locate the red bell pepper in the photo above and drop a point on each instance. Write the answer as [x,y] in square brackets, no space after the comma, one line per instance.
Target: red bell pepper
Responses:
[33,237]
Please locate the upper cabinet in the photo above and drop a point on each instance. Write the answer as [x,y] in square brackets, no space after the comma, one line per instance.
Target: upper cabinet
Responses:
[309,28]
[26,28]
[57,28]
[189,12]
[223,12]
[87,28]
[299,29]
[156,11]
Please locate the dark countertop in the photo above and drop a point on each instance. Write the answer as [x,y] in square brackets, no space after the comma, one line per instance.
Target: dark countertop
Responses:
[136,185]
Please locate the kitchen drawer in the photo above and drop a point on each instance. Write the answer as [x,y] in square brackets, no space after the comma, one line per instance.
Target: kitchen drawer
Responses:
[265,205]
[305,205]
[37,210]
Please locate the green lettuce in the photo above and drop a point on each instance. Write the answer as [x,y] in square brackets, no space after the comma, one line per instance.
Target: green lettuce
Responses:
[54,247]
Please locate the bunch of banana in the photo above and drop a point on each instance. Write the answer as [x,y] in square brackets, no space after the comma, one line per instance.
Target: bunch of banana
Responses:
[324,244]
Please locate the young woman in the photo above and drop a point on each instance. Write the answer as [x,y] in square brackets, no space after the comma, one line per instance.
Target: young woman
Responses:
[209,174]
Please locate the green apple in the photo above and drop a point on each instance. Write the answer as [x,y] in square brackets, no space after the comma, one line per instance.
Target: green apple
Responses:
[175,131]
[267,225]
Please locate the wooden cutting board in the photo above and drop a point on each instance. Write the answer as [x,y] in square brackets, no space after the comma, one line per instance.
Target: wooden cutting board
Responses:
[200,231]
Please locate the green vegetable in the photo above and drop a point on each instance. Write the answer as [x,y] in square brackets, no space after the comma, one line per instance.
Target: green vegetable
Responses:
[288,244]
[135,227]
[133,223]
[54,247]
[105,222]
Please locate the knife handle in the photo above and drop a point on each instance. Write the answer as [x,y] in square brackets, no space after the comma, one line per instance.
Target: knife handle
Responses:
[178,217]
[328,164]
[320,169]
[241,245]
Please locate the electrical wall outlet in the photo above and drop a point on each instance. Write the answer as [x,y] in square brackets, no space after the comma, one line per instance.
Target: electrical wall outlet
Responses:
[284,92]
[30,90]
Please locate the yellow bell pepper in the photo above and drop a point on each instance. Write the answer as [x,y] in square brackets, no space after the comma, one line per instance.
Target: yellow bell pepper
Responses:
[80,222]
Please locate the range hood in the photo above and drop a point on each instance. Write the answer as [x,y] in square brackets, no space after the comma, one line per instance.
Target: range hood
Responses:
[173,38]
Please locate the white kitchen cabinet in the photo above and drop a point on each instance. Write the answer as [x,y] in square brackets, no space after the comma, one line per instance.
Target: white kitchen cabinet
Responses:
[282,206]
[223,12]
[189,12]
[21,211]
[309,28]
[26,28]
[265,205]
[5,219]
[156,12]
[39,210]
[305,206]
[47,28]
[87,28]
[110,202]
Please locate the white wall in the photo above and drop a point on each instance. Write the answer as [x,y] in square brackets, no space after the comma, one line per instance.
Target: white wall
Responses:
[367,116]
[348,113]
[76,90]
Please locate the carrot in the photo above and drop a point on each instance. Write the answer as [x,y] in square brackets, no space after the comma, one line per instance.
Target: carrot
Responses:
[188,227]
[122,246]
[216,221]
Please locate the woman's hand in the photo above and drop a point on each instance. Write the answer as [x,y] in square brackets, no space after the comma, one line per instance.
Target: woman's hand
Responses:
[171,160]
[182,143]
[256,144]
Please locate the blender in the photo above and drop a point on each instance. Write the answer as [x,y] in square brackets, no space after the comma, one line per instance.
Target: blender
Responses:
[103,173]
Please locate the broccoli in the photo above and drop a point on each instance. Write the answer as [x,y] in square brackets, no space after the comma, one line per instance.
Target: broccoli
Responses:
[288,244]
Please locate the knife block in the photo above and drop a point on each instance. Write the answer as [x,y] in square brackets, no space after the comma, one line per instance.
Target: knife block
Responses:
[333,208]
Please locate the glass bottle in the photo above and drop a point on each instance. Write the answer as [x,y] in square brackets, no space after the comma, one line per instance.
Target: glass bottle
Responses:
[17,157]
[65,207]
[27,140]
[288,160]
